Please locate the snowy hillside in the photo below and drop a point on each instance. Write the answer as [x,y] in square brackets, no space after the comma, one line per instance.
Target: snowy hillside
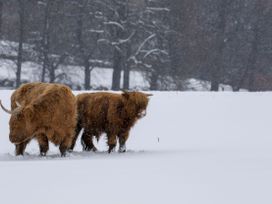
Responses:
[192,148]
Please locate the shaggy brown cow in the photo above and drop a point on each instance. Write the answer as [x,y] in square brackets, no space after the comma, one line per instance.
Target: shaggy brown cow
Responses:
[48,113]
[113,114]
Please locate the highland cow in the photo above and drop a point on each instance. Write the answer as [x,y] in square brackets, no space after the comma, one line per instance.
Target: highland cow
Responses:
[43,111]
[110,113]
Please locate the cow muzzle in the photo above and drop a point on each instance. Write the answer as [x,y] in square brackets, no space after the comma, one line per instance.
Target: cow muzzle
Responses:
[142,114]
[15,139]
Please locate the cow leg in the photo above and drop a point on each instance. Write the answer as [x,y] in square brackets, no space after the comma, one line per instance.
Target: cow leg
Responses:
[43,144]
[20,148]
[78,129]
[111,142]
[122,141]
[87,142]
[65,145]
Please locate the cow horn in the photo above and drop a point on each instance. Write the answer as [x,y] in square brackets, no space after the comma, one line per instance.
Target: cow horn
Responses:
[149,95]
[6,110]
[18,104]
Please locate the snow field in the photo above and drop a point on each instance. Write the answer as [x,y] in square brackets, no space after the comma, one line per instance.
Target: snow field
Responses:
[192,148]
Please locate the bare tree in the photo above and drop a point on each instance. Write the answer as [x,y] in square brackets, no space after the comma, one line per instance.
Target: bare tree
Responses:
[45,39]
[217,66]
[253,56]
[127,67]
[88,31]
[153,52]
[118,32]
[45,44]
[21,40]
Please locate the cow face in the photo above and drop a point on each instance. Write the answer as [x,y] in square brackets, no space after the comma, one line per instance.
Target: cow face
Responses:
[18,127]
[139,101]
[18,123]
[141,109]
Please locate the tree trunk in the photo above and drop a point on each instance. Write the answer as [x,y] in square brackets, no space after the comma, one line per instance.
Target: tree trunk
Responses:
[87,72]
[173,55]
[52,75]
[84,56]
[126,77]
[154,81]
[215,84]
[1,16]
[247,79]
[45,67]
[127,69]
[173,37]
[252,63]
[117,69]
[217,68]
[118,56]
[46,41]
[21,39]
[252,66]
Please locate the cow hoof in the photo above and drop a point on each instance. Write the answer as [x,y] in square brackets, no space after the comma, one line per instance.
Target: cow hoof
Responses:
[63,154]
[87,148]
[42,154]
[122,149]
[111,149]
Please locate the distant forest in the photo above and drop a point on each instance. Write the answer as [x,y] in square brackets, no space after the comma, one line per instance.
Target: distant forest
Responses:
[219,41]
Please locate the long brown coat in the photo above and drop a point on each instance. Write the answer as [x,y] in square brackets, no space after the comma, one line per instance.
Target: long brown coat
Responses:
[110,113]
[43,111]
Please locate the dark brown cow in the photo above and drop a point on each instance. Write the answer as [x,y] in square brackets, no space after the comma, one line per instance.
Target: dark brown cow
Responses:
[110,113]
[43,111]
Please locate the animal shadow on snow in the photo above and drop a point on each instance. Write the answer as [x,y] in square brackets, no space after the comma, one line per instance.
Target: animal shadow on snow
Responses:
[70,156]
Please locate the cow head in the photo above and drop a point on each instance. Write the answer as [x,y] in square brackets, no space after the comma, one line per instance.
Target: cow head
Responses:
[137,102]
[19,123]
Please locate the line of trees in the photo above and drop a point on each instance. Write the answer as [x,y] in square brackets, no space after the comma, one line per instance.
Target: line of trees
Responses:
[221,41]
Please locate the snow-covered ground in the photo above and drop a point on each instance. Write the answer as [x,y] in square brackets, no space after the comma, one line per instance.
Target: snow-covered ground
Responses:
[191,148]
[100,77]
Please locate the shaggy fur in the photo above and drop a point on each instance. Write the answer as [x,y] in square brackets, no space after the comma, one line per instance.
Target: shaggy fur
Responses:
[113,114]
[48,113]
